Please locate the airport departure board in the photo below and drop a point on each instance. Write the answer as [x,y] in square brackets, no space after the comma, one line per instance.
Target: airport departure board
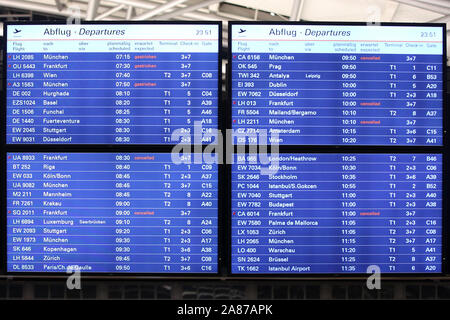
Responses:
[337,84]
[111,213]
[332,213]
[111,83]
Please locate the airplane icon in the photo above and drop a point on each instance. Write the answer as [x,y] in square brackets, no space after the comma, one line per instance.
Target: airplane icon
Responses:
[242,30]
[17,31]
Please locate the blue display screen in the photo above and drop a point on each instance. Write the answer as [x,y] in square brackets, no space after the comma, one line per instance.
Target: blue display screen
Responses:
[337,85]
[111,212]
[111,84]
[337,213]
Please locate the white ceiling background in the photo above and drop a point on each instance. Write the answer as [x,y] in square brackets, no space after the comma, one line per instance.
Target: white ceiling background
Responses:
[260,10]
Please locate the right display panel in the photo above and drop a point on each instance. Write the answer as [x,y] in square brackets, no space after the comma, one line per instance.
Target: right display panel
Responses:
[337,84]
[334,213]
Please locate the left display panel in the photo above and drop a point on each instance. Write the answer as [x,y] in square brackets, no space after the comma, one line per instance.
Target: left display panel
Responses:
[111,83]
[111,213]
